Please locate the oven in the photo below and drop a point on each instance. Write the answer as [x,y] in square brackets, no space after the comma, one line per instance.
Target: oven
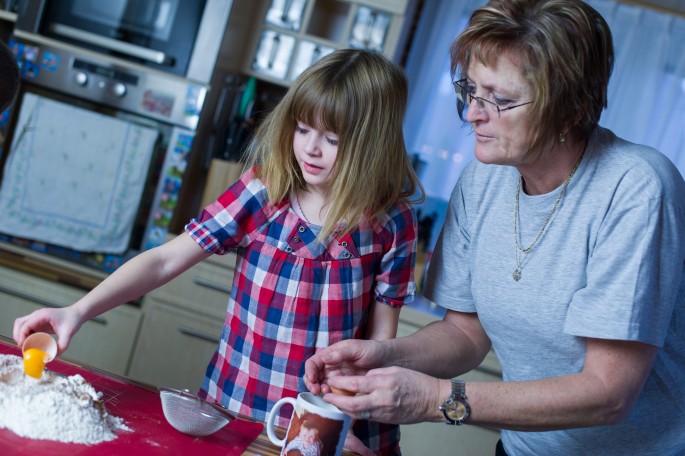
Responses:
[180,37]
[94,154]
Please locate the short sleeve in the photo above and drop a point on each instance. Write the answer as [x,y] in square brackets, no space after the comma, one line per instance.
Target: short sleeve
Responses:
[448,276]
[233,219]
[395,280]
[634,273]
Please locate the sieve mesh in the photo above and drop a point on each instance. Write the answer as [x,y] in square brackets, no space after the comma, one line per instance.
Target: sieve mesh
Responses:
[191,415]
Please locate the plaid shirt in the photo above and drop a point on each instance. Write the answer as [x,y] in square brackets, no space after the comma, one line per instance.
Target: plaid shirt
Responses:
[292,295]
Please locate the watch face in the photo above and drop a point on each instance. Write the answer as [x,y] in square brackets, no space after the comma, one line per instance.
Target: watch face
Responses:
[456,411]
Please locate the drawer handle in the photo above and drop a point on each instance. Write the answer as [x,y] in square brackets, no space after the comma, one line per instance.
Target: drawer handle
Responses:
[209,284]
[198,334]
[43,302]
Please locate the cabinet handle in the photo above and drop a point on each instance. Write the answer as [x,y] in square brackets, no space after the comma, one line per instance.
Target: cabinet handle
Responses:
[209,284]
[43,302]
[198,334]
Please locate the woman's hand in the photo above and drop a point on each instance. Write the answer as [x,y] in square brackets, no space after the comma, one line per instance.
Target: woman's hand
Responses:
[348,357]
[389,395]
[63,321]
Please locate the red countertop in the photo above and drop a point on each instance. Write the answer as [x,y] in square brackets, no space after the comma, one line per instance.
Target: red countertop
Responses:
[140,407]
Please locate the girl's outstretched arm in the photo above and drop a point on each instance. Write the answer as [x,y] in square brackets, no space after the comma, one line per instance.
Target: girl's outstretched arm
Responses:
[138,276]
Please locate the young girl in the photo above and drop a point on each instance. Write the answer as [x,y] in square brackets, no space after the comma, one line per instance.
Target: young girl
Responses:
[323,231]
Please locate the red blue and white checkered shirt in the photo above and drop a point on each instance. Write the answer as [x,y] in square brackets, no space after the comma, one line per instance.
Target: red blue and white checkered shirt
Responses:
[292,295]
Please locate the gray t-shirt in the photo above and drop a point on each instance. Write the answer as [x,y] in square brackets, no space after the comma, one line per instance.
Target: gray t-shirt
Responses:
[610,265]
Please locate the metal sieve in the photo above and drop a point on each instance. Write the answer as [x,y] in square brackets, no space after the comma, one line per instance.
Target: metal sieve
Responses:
[189,414]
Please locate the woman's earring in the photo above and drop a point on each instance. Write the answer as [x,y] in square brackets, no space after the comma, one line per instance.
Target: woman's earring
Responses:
[562,137]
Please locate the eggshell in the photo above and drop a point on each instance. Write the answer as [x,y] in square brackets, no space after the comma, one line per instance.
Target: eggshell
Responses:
[344,392]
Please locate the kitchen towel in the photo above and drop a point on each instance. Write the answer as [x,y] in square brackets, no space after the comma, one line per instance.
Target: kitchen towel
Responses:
[74,177]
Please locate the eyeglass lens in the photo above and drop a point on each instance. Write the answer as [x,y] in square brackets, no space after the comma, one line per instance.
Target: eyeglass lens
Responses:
[465,96]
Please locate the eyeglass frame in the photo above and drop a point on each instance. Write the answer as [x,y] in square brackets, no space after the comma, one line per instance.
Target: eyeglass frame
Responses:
[459,89]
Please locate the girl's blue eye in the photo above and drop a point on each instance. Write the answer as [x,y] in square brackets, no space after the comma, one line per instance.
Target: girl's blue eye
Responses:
[332,142]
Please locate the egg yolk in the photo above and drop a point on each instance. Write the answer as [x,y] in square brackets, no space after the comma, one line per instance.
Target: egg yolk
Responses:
[34,362]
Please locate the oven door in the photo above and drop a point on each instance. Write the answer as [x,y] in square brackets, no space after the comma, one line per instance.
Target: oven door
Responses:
[162,34]
[81,180]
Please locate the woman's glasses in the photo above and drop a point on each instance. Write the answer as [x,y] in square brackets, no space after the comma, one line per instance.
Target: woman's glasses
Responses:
[465,97]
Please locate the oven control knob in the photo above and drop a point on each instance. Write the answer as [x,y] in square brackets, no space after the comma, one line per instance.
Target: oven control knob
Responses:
[81,78]
[119,89]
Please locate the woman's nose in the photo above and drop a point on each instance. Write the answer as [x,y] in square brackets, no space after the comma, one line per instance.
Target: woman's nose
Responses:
[474,111]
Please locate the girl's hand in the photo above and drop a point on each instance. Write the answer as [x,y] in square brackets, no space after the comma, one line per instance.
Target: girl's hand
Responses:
[353,444]
[63,321]
[390,395]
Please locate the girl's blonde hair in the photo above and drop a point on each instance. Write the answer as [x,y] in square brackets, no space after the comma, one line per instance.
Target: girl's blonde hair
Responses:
[360,96]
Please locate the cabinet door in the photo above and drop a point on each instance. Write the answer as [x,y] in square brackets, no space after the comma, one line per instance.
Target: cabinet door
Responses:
[439,439]
[174,346]
[105,342]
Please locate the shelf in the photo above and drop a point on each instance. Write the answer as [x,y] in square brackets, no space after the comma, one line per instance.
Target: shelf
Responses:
[8,16]
[287,42]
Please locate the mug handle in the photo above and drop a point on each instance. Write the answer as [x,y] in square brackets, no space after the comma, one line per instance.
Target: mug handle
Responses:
[272,417]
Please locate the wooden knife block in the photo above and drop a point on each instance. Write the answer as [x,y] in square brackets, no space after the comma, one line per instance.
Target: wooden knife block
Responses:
[222,173]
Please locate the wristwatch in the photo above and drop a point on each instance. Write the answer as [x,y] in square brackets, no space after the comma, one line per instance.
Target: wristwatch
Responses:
[455,408]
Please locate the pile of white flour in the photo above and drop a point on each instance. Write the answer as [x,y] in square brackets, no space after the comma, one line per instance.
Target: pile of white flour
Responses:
[65,409]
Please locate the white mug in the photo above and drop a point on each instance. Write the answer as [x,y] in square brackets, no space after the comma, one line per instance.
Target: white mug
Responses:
[316,427]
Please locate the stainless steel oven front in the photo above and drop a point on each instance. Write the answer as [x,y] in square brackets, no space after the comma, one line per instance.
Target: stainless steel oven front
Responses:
[95,153]
[181,37]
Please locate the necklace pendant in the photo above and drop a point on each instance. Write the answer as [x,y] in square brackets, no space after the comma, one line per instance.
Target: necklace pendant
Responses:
[516,275]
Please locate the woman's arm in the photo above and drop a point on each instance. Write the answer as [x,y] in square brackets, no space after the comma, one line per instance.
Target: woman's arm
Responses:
[602,393]
[442,349]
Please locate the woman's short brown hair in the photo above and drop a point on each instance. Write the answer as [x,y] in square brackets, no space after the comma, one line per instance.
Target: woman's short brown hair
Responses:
[565,52]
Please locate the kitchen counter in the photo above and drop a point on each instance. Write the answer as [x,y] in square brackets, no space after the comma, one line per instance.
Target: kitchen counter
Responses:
[140,407]
[49,267]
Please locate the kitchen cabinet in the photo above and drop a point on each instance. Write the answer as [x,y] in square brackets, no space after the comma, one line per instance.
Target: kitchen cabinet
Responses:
[182,325]
[105,342]
[294,34]
[175,346]
[438,439]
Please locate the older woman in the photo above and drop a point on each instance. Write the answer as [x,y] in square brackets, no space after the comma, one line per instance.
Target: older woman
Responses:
[563,250]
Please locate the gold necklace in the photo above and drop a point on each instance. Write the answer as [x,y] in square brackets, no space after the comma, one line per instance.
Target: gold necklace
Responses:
[519,262]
